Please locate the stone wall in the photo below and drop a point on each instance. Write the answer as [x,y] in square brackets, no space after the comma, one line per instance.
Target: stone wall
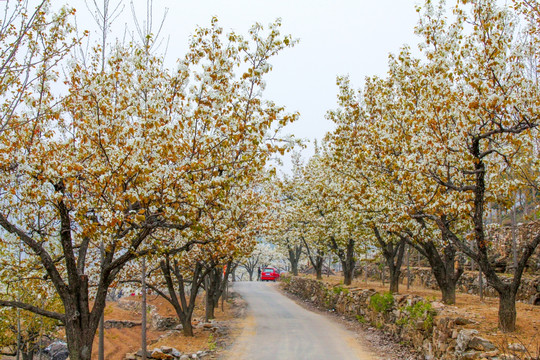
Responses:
[500,238]
[155,320]
[411,319]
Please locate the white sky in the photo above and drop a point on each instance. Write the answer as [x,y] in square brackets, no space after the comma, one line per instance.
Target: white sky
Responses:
[336,37]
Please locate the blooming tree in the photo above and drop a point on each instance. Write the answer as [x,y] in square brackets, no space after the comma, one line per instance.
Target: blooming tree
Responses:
[447,128]
[133,150]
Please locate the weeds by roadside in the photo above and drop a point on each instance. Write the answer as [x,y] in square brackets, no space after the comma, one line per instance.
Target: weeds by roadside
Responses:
[512,347]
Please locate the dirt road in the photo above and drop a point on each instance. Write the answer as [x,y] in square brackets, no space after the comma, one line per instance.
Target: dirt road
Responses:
[278,328]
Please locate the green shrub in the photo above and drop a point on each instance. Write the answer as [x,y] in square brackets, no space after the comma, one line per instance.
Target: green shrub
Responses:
[402,321]
[340,289]
[328,303]
[212,345]
[422,310]
[361,319]
[381,303]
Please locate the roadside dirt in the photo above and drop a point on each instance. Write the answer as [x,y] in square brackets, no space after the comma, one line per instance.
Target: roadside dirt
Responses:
[118,342]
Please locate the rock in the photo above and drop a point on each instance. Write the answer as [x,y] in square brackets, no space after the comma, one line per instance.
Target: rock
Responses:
[481,344]
[140,353]
[165,323]
[184,357]
[119,324]
[158,354]
[130,356]
[462,321]
[63,355]
[470,355]
[490,354]
[427,350]
[508,357]
[463,339]
[517,347]
[419,325]
[57,351]
[176,353]
[438,306]
[166,349]
[400,299]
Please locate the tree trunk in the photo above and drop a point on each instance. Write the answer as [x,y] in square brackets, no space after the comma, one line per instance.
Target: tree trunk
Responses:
[507,310]
[79,343]
[210,308]
[394,280]
[294,267]
[393,255]
[346,259]
[101,340]
[479,252]
[448,292]
[233,272]
[187,327]
[480,285]
[316,260]
[210,289]
[395,270]
[408,267]
[443,267]
[347,274]
[176,295]
[348,263]
[366,272]
[143,310]
[318,266]
[217,282]
[294,253]
[28,355]
[80,324]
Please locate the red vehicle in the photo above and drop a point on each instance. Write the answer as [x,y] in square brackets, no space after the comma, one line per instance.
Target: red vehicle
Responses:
[269,274]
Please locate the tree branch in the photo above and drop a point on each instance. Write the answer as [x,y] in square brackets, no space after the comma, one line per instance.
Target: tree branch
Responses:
[34,309]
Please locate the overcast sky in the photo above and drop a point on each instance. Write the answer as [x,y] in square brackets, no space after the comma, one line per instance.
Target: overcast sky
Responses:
[336,37]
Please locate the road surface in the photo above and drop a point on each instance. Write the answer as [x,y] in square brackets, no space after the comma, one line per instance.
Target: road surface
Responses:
[278,328]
